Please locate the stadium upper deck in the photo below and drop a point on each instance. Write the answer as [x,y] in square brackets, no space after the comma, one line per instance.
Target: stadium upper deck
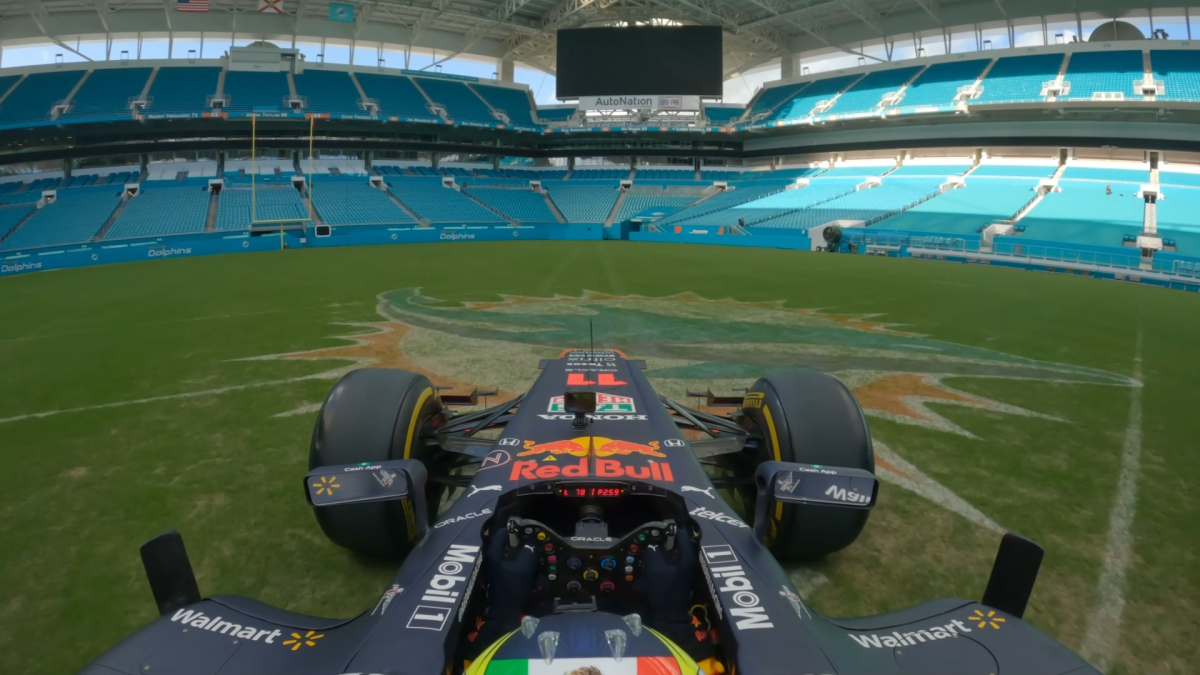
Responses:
[1136,75]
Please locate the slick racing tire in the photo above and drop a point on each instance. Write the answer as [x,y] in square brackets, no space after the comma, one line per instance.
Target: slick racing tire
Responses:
[374,415]
[810,417]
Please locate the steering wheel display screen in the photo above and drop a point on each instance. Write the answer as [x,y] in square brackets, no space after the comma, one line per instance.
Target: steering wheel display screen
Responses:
[591,490]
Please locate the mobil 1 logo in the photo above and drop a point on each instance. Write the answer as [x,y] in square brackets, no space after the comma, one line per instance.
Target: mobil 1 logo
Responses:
[732,589]
[445,588]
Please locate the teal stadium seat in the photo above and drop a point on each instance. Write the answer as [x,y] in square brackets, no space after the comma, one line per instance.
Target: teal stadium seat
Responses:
[930,170]
[437,204]
[769,99]
[461,103]
[599,174]
[1094,72]
[864,204]
[1180,72]
[717,174]
[11,215]
[968,209]
[1017,79]
[739,194]
[583,202]
[514,102]
[1178,213]
[664,174]
[250,91]
[1167,177]
[355,202]
[33,98]
[271,203]
[520,204]
[777,204]
[328,91]
[74,217]
[1013,171]
[799,106]
[648,196]
[1083,214]
[555,114]
[940,82]
[107,92]
[853,171]
[182,90]
[865,95]
[723,115]
[397,96]
[1106,175]
[163,208]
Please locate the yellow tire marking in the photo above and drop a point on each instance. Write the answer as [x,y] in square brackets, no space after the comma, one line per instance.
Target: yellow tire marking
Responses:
[775,450]
[412,424]
[771,429]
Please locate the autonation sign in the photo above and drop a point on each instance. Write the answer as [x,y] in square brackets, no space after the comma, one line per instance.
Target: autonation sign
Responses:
[656,102]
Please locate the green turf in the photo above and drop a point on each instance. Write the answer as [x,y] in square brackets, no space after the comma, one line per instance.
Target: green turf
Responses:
[82,489]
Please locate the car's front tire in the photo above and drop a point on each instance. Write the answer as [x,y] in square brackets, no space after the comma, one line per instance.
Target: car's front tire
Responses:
[375,415]
[810,417]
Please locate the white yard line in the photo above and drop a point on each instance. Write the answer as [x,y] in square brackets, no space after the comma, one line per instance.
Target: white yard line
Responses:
[327,375]
[1103,633]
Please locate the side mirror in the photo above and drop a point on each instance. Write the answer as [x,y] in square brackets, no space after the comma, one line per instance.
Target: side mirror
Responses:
[789,483]
[400,481]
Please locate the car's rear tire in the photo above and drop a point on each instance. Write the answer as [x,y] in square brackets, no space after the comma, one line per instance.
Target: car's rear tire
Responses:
[375,415]
[810,417]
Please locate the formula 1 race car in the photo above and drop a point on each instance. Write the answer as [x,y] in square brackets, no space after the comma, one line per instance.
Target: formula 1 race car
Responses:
[589,537]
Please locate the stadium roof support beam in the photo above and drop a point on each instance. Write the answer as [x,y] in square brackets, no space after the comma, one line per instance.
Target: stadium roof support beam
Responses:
[361,19]
[1002,5]
[40,18]
[102,12]
[469,39]
[865,13]
[933,8]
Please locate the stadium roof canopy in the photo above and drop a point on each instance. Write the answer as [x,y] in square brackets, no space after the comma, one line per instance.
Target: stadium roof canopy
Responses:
[756,31]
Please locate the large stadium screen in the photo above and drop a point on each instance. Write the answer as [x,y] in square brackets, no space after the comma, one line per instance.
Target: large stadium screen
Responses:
[639,61]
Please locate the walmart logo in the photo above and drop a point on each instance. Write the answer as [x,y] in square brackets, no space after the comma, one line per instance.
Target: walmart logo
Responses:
[982,621]
[327,485]
[307,640]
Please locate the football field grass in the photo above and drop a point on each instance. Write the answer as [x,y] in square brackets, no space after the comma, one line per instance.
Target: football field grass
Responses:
[136,398]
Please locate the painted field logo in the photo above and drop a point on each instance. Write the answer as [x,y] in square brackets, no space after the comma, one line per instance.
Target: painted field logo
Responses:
[605,403]
[895,375]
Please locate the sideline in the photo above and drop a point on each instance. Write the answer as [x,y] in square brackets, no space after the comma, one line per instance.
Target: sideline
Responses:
[327,375]
[1103,633]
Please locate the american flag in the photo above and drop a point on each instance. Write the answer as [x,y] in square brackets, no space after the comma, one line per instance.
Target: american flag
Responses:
[191,5]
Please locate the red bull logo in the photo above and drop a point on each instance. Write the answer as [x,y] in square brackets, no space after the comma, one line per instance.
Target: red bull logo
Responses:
[602,447]
[576,446]
[605,468]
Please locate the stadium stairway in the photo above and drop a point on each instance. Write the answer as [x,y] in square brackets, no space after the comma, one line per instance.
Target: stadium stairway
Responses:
[422,222]
[552,206]
[103,231]
[440,110]
[616,208]
[505,216]
[11,213]
[210,223]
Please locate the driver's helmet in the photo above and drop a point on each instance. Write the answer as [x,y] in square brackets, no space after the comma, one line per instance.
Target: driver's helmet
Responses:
[584,643]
